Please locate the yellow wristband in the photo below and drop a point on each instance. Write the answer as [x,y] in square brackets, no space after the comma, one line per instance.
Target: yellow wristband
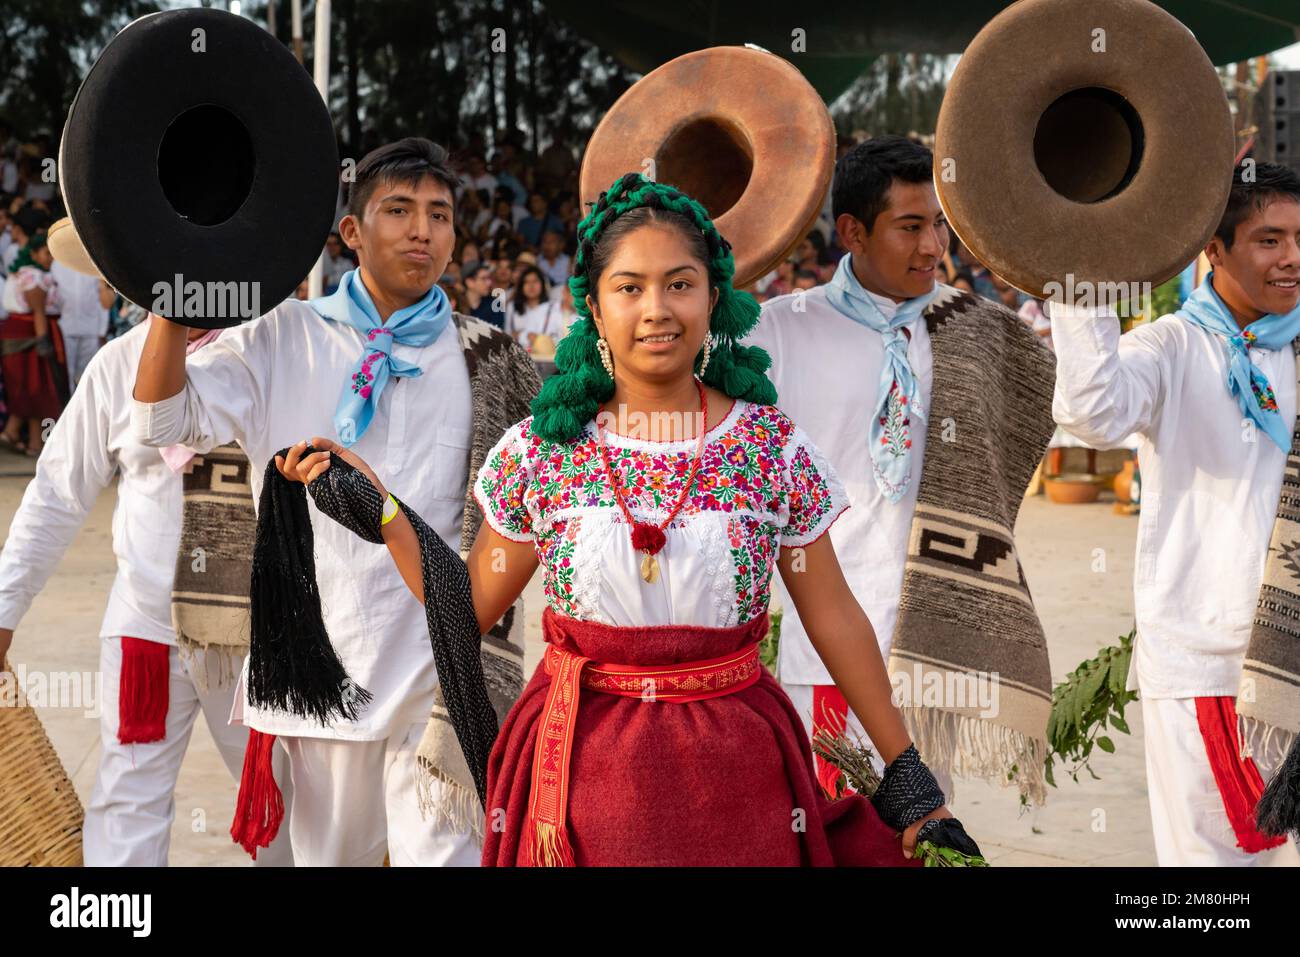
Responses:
[390,510]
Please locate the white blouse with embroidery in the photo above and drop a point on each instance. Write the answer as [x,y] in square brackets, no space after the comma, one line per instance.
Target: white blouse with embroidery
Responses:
[761,486]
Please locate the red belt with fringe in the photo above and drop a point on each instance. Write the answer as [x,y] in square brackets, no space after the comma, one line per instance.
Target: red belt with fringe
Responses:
[681,682]
[1240,783]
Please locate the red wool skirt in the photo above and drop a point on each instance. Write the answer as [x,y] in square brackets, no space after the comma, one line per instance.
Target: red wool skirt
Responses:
[36,387]
[728,780]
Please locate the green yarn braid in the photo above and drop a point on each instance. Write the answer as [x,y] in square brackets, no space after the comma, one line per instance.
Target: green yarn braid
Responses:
[572,397]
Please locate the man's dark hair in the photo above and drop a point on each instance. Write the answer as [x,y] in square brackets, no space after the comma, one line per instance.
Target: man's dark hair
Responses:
[805,274]
[864,174]
[406,162]
[1268,181]
[472,271]
[31,221]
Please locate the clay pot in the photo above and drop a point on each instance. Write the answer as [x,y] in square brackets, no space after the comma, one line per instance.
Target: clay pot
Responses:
[1072,489]
[1124,482]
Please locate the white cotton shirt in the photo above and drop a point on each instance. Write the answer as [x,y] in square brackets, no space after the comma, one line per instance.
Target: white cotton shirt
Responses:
[275,381]
[82,314]
[826,368]
[91,442]
[1210,484]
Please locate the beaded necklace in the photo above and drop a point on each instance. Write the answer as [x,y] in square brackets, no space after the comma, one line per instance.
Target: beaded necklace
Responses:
[649,538]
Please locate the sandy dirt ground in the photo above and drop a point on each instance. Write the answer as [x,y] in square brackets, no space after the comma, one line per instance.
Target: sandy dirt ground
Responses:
[1078,560]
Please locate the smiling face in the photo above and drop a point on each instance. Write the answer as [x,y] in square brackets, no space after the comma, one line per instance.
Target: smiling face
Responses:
[653,305]
[405,236]
[1260,274]
[899,256]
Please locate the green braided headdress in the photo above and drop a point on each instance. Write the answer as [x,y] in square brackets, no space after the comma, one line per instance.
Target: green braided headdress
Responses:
[571,397]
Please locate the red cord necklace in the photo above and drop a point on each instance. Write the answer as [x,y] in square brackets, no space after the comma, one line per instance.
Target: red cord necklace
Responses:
[646,537]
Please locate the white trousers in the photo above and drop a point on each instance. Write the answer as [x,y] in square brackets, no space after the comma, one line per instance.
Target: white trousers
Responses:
[1190,825]
[80,350]
[802,696]
[355,800]
[129,818]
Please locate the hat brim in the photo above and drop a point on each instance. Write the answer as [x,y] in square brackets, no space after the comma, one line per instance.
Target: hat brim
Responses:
[66,247]
[736,122]
[118,165]
[1147,226]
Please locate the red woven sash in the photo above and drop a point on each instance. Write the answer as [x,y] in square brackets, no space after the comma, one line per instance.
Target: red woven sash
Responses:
[1240,783]
[681,682]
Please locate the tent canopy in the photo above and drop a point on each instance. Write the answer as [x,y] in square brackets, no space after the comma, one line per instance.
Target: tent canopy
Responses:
[843,38]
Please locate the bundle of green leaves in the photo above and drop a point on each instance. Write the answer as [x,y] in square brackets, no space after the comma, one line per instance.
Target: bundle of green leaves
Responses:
[854,758]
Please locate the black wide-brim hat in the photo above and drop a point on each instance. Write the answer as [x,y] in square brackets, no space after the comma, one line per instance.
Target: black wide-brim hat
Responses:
[1084,143]
[198,148]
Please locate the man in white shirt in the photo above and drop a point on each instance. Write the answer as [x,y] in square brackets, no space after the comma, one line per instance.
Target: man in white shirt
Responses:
[831,346]
[129,817]
[84,320]
[1211,479]
[276,382]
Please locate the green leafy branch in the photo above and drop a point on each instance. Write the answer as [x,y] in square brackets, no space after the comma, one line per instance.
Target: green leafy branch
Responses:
[771,643]
[1090,699]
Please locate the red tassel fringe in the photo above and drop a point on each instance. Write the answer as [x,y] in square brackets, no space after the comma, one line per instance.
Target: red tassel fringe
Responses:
[259,809]
[142,696]
[1239,780]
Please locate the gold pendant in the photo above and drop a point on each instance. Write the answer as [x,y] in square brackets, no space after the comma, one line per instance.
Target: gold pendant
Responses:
[650,568]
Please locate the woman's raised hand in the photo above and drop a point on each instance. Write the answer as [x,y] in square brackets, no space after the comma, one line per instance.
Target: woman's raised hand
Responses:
[297,467]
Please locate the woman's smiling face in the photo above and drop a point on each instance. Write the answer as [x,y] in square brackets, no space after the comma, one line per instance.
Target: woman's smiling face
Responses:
[653,304]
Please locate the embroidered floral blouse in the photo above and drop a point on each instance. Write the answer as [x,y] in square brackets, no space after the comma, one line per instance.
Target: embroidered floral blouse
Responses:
[761,486]
[24,281]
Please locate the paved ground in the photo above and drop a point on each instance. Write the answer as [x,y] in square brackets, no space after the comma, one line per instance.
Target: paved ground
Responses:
[1084,596]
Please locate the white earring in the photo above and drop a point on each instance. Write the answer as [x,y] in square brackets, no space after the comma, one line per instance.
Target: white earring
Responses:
[605,358]
[708,348]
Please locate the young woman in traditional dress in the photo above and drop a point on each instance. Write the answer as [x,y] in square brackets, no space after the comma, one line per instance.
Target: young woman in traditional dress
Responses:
[650,733]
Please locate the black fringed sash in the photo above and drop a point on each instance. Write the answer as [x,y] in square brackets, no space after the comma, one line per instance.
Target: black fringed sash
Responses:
[291,664]
[347,496]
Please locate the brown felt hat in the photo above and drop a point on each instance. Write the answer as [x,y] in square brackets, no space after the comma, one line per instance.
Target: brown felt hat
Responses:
[736,128]
[1084,142]
[66,247]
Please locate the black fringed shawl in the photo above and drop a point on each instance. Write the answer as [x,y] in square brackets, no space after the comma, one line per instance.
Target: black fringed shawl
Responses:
[292,664]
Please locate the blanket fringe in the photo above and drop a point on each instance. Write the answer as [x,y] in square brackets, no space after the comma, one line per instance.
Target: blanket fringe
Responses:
[970,747]
[448,804]
[198,660]
[1273,742]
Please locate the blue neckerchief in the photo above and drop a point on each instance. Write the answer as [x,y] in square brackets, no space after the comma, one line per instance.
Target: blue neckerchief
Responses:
[416,325]
[1246,382]
[898,393]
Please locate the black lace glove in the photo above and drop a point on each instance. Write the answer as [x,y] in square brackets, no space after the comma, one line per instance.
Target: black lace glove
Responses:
[343,493]
[907,792]
[948,832]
